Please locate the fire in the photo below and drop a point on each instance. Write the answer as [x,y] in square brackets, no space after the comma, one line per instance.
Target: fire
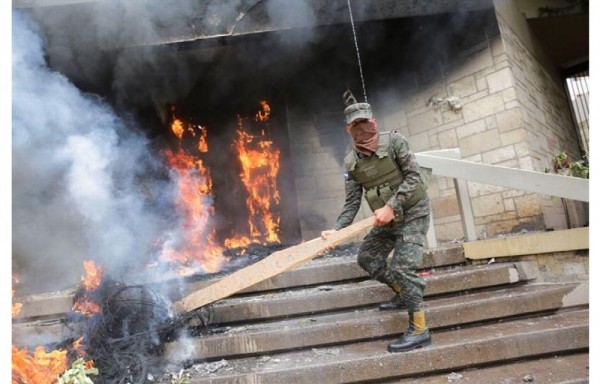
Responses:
[93,275]
[177,128]
[79,349]
[40,367]
[86,307]
[259,160]
[260,167]
[202,144]
[237,241]
[90,282]
[198,245]
[16,307]
[264,113]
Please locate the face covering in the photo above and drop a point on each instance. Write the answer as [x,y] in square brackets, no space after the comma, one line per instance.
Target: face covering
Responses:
[364,135]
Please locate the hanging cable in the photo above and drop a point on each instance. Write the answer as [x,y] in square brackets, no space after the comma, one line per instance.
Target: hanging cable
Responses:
[362,78]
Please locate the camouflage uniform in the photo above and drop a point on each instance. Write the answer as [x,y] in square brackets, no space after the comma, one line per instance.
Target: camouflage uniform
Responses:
[405,235]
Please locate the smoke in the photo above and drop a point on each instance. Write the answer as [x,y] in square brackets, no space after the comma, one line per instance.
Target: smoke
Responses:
[121,47]
[80,182]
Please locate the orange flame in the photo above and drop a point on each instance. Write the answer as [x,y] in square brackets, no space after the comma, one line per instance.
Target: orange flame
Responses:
[90,282]
[79,349]
[202,144]
[16,307]
[40,367]
[177,128]
[264,113]
[195,205]
[237,241]
[260,167]
[93,275]
[86,307]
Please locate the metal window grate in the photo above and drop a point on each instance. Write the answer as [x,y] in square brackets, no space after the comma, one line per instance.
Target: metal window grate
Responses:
[577,83]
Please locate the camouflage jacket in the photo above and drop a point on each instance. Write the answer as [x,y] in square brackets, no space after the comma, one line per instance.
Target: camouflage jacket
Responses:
[412,178]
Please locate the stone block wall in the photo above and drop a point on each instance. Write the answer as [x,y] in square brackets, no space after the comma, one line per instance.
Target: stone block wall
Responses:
[488,129]
[318,143]
[545,116]
[514,114]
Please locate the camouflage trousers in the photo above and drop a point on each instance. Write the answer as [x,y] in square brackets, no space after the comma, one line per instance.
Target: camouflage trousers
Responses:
[407,240]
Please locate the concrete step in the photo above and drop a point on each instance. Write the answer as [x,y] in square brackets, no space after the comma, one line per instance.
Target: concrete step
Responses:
[318,271]
[335,297]
[369,361]
[333,269]
[567,369]
[364,324]
[298,302]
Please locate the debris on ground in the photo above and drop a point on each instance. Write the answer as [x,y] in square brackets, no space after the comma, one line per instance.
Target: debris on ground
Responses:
[454,377]
[211,367]
[529,378]
[328,351]
[181,377]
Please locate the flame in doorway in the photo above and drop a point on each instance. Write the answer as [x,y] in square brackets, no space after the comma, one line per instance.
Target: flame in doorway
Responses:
[197,246]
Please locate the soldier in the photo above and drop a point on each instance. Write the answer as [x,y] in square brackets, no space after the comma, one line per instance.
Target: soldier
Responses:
[382,165]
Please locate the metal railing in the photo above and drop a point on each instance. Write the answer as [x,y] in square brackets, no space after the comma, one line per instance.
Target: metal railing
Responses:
[448,163]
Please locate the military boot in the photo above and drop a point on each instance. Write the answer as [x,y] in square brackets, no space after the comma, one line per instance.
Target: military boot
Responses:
[397,301]
[417,335]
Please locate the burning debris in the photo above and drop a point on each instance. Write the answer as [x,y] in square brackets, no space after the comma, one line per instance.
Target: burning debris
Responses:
[124,330]
[125,336]
[83,304]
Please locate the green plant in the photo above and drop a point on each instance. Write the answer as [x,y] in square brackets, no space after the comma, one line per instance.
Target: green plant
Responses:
[77,374]
[562,165]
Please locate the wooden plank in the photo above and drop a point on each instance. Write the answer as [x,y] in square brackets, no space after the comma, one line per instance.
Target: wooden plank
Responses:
[270,266]
[529,244]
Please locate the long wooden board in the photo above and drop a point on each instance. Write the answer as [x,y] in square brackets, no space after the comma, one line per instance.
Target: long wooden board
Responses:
[270,266]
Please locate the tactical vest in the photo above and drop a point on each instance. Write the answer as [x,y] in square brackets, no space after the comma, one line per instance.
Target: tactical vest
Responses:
[380,175]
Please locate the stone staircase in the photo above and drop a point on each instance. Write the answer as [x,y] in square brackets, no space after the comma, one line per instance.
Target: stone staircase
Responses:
[320,324]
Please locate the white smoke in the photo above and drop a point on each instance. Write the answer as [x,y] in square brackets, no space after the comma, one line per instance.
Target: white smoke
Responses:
[80,189]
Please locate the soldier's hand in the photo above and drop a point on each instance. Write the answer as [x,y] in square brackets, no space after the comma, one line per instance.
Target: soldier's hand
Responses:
[326,233]
[383,215]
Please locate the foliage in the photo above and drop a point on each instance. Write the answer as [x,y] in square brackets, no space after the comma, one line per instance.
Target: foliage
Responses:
[77,374]
[563,166]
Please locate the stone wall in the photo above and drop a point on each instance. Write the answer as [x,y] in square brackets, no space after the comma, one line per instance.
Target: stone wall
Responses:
[545,115]
[515,114]
[318,143]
